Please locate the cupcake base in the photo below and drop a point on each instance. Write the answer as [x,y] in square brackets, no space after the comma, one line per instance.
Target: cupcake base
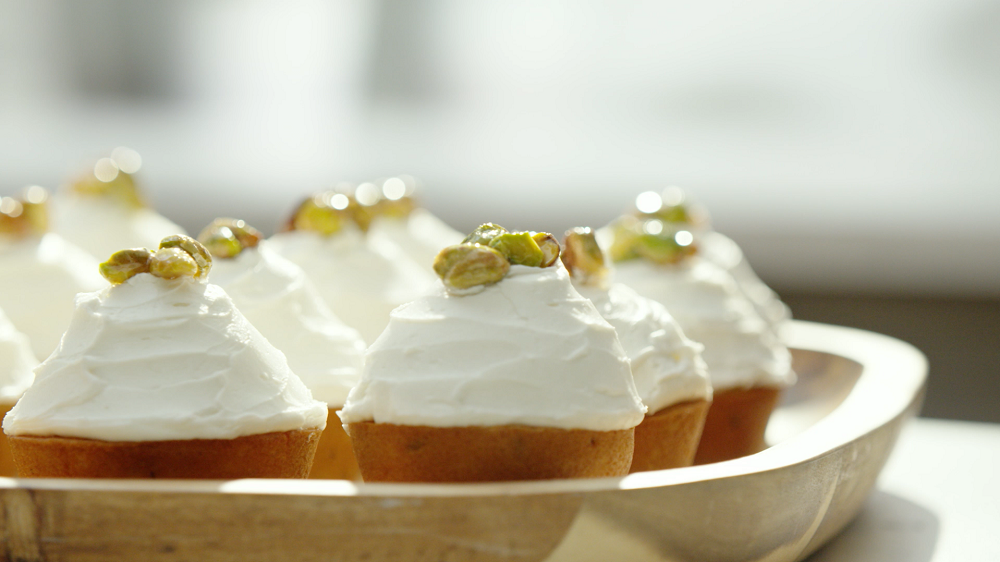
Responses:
[669,437]
[334,456]
[402,453]
[735,424]
[7,467]
[285,454]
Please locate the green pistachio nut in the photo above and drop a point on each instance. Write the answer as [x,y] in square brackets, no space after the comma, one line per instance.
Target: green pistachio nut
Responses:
[484,234]
[519,248]
[466,265]
[362,215]
[549,246]
[664,248]
[173,263]
[202,258]
[583,257]
[106,180]
[318,215]
[625,231]
[126,264]
[395,209]
[221,242]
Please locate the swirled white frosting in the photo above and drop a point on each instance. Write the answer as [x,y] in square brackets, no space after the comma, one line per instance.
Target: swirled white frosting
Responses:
[16,362]
[528,350]
[420,235]
[741,349]
[666,365]
[722,251]
[153,360]
[39,277]
[362,280]
[277,298]
[102,226]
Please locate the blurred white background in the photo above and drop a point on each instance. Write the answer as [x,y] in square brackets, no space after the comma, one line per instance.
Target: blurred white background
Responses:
[846,145]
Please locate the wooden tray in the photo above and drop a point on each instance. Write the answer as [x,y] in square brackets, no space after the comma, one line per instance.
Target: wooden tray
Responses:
[833,433]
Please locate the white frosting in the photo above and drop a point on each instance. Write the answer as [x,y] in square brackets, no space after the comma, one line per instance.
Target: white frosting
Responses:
[39,277]
[362,280]
[741,350]
[277,298]
[102,226]
[666,365]
[528,350]
[16,362]
[722,251]
[420,235]
[153,360]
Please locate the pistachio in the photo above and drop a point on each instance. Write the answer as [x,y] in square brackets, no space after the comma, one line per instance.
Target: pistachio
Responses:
[665,247]
[584,258]
[396,209]
[109,178]
[466,265]
[519,248]
[27,215]
[626,231]
[226,238]
[484,234]
[172,263]
[549,246]
[325,213]
[125,264]
[195,249]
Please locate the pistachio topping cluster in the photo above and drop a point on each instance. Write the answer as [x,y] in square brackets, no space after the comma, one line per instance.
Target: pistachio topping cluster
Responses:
[26,215]
[178,256]
[328,211]
[112,177]
[670,206]
[485,256]
[651,239]
[227,238]
[583,257]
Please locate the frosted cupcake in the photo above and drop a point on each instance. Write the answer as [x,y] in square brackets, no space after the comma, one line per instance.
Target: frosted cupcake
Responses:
[16,363]
[277,298]
[672,208]
[398,219]
[160,376]
[747,364]
[669,373]
[103,210]
[505,373]
[40,272]
[361,279]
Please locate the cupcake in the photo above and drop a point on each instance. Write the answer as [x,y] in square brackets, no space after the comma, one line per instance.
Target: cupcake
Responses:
[16,363]
[504,373]
[160,376]
[747,364]
[40,272]
[398,219]
[361,279]
[669,373]
[672,208]
[103,210]
[277,298]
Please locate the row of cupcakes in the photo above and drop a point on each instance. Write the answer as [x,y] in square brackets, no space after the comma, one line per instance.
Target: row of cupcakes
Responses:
[324,220]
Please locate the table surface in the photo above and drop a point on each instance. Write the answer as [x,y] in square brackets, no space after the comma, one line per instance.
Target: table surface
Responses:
[937,499]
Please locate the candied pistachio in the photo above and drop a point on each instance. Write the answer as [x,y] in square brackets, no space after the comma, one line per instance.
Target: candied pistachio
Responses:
[466,265]
[173,263]
[519,248]
[549,246]
[226,238]
[193,248]
[126,264]
[584,258]
[484,234]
